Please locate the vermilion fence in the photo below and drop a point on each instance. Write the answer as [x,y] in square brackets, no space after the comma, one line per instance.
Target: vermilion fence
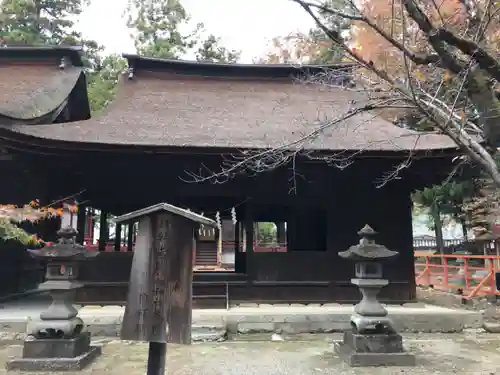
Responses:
[468,275]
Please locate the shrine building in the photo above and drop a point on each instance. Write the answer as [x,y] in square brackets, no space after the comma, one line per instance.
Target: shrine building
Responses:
[172,123]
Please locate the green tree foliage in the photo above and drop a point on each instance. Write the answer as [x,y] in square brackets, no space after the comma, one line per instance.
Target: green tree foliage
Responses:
[51,22]
[266,233]
[447,199]
[13,217]
[159,30]
[45,22]
[314,47]
[456,195]
[155,26]
[102,82]
[328,52]
[11,231]
[483,209]
[433,199]
[210,50]
[38,22]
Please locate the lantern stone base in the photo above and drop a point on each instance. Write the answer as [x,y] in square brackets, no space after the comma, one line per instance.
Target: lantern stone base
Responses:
[56,354]
[366,350]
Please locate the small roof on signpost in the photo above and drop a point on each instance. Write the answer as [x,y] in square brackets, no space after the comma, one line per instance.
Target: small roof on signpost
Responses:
[135,215]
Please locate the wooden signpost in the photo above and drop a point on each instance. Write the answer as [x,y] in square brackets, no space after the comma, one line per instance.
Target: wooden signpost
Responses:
[159,302]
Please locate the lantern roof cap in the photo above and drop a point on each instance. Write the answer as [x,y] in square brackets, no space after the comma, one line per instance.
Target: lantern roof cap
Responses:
[65,248]
[368,249]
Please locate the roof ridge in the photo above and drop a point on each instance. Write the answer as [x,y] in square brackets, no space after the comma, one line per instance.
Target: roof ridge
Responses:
[43,52]
[189,67]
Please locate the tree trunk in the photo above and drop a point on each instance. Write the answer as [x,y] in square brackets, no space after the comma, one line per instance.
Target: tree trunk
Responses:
[464,229]
[438,229]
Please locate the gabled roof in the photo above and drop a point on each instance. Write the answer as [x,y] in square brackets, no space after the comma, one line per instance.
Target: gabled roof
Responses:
[174,103]
[37,82]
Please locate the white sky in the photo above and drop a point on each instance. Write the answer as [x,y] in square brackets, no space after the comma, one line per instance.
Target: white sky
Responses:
[246,25]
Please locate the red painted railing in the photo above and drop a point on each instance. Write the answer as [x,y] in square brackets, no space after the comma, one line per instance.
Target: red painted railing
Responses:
[468,275]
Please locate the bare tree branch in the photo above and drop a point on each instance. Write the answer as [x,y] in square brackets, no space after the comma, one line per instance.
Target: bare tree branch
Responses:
[445,79]
[417,58]
[483,58]
[253,162]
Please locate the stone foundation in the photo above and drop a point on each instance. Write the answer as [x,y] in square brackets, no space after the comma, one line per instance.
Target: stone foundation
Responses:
[55,354]
[56,348]
[354,359]
[376,343]
[381,349]
[55,364]
[211,325]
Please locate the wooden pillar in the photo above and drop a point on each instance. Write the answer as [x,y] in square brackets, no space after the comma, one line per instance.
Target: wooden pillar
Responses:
[89,231]
[218,237]
[292,232]
[118,237]
[237,237]
[179,294]
[249,228]
[103,230]
[130,237]
[249,240]
[81,223]
[280,232]
[239,255]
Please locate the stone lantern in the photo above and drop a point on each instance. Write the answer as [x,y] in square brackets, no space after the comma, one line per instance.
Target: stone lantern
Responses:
[58,340]
[372,339]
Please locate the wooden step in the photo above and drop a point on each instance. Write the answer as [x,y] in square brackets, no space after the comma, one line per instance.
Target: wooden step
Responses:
[206,254]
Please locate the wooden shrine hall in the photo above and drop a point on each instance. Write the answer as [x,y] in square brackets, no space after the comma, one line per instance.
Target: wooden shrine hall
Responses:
[172,120]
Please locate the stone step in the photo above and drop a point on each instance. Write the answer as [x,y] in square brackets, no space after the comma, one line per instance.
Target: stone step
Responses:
[211,324]
[208,333]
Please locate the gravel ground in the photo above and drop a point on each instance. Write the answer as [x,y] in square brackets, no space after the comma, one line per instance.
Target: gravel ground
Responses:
[469,353]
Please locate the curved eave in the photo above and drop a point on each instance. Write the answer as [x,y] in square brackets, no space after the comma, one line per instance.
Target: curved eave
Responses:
[31,144]
[46,103]
[45,118]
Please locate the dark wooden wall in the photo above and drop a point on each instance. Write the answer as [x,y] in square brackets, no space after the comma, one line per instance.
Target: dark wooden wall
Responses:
[19,272]
[306,276]
[115,182]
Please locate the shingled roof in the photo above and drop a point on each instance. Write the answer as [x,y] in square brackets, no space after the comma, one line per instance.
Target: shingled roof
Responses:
[36,82]
[186,104]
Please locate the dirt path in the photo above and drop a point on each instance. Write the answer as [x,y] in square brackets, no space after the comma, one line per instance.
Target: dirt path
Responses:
[436,354]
